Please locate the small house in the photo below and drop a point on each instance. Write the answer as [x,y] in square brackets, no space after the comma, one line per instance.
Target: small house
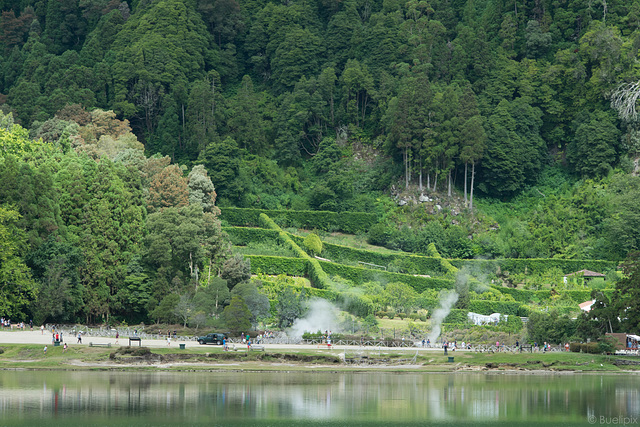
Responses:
[586,306]
[586,274]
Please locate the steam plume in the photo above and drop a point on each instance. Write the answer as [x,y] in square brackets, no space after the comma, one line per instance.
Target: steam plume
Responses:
[447,301]
[321,316]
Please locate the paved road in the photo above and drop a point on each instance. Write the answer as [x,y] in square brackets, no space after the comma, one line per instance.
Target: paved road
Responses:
[36,337]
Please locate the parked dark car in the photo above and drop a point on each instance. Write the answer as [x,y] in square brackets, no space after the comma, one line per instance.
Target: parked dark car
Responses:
[214,338]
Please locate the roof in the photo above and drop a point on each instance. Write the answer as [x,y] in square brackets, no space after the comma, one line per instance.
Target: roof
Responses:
[586,306]
[585,273]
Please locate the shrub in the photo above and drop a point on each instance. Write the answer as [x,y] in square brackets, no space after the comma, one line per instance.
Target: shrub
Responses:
[607,345]
[591,348]
[378,235]
[313,244]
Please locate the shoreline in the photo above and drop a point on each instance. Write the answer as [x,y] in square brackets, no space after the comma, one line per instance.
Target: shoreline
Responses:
[24,350]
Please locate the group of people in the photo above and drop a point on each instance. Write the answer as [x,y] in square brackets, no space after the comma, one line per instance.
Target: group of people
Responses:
[7,324]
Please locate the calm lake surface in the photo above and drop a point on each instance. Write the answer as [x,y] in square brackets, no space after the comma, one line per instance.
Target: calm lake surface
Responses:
[43,398]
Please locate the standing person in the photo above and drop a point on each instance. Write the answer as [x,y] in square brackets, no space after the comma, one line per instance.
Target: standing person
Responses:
[42,329]
[64,350]
[45,350]
[225,346]
[169,339]
[117,336]
[31,324]
[79,338]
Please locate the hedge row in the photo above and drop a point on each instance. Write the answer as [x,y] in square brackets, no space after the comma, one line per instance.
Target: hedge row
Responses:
[450,270]
[318,277]
[274,265]
[483,307]
[348,222]
[241,236]
[503,307]
[522,295]
[360,275]
[531,265]
[407,262]
[457,316]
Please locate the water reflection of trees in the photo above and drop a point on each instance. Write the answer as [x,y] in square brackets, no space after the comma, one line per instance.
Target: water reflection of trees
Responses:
[322,396]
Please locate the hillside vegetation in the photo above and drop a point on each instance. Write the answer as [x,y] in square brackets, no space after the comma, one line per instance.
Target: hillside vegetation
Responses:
[495,140]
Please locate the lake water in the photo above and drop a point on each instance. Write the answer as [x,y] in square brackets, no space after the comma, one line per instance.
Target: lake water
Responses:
[43,398]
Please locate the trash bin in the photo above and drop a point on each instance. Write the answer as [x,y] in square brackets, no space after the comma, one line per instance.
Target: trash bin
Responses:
[182,346]
[56,343]
[450,359]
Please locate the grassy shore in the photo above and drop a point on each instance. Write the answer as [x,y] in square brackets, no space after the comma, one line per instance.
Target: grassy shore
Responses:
[30,356]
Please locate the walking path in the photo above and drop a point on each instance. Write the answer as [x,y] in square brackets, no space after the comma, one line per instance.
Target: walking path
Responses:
[36,337]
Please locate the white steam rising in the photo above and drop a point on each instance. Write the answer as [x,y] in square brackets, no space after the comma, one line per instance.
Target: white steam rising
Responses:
[322,316]
[447,301]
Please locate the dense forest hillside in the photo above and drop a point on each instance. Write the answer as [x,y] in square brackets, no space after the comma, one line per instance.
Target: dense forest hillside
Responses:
[488,128]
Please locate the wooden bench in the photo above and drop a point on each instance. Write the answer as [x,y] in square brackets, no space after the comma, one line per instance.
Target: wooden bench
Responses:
[257,347]
[96,344]
[135,339]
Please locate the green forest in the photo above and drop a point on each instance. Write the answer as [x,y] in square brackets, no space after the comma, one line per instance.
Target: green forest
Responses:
[166,161]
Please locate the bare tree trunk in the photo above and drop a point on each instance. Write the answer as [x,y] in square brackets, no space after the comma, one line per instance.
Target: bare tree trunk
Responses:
[465,184]
[420,175]
[406,168]
[428,181]
[449,184]
[473,174]
[435,181]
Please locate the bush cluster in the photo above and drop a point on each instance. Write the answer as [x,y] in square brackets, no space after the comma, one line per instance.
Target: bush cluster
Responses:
[589,347]
[452,241]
